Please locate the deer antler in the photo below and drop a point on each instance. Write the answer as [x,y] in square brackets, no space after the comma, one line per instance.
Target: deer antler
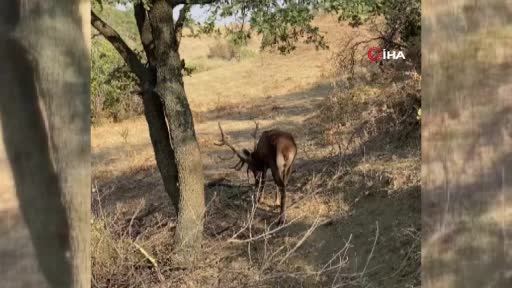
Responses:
[224,142]
[239,165]
[226,158]
[255,134]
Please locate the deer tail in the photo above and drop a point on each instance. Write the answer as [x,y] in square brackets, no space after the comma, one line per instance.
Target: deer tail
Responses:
[281,167]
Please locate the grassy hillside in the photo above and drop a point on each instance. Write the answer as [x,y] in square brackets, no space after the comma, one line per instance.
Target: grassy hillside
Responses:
[354,194]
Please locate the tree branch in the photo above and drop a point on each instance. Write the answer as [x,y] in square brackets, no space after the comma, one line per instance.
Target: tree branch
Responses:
[141,17]
[193,2]
[180,22]
[122,48]
[182,17]
[163,29]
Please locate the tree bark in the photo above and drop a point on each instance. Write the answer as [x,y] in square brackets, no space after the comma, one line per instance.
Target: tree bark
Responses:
[36,181]
[169,117]
[153,109]
[154,112]
[169,86]
[164,154]
[53,181]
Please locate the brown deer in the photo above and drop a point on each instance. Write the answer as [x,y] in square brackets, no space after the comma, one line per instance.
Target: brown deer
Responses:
[276,149]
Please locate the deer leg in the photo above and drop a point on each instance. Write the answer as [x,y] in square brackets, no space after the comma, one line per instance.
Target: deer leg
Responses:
[286,173]
[281,180]
[261,185]
[282,215]
[258,187]
[277,174]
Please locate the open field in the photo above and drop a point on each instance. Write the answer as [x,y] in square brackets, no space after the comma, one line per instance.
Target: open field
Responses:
[359,207]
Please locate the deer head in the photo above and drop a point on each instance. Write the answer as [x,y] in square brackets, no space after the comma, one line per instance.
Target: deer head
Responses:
[245,156]
[275,150]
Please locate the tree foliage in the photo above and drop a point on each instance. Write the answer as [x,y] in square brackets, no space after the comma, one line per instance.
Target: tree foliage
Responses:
[403,17]
[401,28]
[112,84]
[284,23]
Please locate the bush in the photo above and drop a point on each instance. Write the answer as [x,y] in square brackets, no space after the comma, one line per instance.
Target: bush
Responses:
[223,50]
[112,85]
[189,69]
[197,65]
[245,53]
[372,104]
[401,28]
[267,40]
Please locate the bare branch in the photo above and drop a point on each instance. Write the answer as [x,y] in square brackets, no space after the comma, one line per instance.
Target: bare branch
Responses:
[120,45]
[144,28]
[308,233]
[373,248]
[182,17]
[193,2]
[269,233]
[180,22]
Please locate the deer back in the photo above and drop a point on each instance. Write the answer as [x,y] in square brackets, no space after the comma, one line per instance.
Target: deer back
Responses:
[276,147]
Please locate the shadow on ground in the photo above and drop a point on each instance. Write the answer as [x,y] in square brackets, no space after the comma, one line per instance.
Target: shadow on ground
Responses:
[466,144]
[368,194]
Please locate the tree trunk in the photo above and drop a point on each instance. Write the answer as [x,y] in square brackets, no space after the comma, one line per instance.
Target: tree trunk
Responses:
[169,86]
[154,112]
[168,116]
[52,33]
[37,184]
[153,108]
[164,154]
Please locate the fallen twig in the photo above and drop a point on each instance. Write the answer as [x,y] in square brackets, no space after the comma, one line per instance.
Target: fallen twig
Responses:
[152,260]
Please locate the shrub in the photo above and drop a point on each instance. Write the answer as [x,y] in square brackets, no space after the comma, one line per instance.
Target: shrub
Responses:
[189,69]
[372,103]
[267,40]
[223,50]
[197,65]
[400,30]
[245,53]
[112,85]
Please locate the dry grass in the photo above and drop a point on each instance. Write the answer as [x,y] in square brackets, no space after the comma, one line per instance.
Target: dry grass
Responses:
[353,217]
[467,145]
[222,50]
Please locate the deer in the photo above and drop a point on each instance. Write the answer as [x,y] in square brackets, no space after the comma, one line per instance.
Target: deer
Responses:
[275,150]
